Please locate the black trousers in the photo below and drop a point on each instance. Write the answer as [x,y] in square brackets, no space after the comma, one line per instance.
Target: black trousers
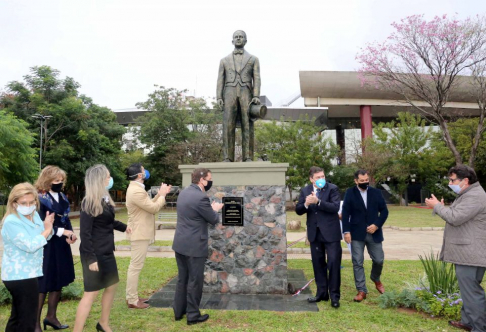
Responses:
[327,274]
[25,302]
[189,288]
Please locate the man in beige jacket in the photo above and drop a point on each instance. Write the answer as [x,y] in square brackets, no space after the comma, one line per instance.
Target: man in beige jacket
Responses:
[465,243]
[141,219]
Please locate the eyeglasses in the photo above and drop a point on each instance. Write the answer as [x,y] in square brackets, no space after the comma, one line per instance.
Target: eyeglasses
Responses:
[27,204]
[454,180]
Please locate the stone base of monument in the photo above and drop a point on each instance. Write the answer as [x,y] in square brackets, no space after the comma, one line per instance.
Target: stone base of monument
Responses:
[224,301]
[248,254]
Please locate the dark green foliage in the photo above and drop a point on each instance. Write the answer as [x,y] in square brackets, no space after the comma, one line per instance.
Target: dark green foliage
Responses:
[79,133]
[440,275]
[5,297]
[73,291]
[298,143]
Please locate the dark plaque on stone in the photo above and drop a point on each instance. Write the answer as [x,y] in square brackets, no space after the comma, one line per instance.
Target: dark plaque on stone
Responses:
[233,211]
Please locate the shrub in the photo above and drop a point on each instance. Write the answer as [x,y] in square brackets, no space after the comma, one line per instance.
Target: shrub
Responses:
[73,291]
[5,297]
[440,275]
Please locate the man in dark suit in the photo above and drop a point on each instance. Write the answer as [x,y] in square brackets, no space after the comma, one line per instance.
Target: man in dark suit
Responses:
[321,200]
[194,212]
[238,86]
[364,213]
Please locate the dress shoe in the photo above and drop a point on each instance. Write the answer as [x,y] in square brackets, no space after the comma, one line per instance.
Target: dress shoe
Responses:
[360,296]
[317,299]
[142,299]
[54,326]
[335,304]
[379,287]
[226,160]
[99,327]
[460,325]
[200,319]
[138,305]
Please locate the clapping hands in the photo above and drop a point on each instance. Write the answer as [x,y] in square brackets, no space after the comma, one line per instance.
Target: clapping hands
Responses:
[164,189]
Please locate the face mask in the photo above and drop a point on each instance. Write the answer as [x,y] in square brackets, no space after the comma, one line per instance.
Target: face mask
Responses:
[455,188]
[146,175]
[57,187]
[208,186]
[364,185]
[320,183]
[110,184]
[26,210]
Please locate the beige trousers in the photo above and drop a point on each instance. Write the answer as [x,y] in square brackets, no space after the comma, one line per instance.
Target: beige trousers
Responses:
[138,255]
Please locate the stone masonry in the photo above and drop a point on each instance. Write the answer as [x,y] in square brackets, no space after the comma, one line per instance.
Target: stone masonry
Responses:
[251,259]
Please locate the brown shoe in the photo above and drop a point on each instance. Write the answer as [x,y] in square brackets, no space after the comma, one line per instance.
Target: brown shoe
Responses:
[142,299]
[360,296]
[460,325]
[138,305]
[379,287]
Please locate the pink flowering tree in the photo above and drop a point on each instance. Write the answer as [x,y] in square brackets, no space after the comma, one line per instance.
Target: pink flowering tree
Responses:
[423,62]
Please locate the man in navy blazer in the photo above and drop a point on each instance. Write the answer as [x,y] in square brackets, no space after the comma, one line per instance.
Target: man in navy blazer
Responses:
[321,200]
[364,213]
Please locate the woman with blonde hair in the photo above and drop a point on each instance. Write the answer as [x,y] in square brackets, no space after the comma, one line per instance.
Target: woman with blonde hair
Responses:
[24,235]
[97,223]
[58,267]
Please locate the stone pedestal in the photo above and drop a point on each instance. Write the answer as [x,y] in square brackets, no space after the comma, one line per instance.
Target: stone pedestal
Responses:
[251,259]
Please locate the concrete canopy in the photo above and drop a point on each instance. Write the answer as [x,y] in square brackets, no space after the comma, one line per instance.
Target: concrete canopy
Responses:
[343,94]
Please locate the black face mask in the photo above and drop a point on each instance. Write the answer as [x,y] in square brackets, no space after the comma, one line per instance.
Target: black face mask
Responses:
[364,185]
[57,187]
[208,186]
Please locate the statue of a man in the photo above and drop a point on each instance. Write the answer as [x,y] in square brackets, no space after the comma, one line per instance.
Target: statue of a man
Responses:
[238,87]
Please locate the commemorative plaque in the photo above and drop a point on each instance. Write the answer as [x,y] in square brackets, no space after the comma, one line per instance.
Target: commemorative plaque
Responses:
[232,211]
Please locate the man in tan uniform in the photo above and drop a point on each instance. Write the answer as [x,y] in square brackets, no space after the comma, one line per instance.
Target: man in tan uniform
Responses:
[141,218]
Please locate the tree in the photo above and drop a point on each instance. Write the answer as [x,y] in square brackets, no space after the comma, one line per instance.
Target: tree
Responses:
[79,133]
[298,143]
[422,61]
[402,151]
[17,157]
[178,130]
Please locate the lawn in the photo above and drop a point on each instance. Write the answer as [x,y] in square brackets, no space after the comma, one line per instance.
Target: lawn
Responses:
[400,216]
[366,316]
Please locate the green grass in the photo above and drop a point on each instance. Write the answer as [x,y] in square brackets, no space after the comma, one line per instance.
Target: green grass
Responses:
[400,216]
[366,316]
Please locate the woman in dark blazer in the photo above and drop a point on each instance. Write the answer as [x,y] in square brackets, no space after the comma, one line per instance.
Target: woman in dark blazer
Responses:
[97,221]
[58,266]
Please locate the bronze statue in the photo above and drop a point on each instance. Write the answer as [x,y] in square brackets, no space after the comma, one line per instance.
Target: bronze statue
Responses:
[238,87]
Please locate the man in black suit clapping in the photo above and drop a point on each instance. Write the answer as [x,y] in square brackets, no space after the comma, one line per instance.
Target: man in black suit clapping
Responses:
[321,200]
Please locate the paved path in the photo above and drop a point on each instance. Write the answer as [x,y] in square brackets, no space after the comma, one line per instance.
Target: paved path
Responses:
[406,245]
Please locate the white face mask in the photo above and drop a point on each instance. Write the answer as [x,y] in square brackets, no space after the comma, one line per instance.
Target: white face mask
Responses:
[26,210]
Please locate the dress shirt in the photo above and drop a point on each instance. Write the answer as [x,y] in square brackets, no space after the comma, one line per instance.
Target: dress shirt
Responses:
[364,196]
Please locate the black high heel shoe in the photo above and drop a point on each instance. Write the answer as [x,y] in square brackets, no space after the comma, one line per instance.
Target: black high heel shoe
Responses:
[99,327]
[55,327]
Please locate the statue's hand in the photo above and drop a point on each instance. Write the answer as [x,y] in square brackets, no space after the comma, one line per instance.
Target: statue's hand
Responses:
[255,100]
[220,103]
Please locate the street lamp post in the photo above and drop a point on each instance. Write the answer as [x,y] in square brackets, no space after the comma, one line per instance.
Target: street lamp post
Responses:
[41,119]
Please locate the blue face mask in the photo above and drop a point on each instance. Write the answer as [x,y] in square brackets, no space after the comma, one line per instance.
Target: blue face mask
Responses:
[110,184]
[320,183]
[146,175]
[455,188]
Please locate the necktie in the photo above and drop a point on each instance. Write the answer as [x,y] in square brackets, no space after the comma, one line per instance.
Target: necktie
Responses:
[238,51]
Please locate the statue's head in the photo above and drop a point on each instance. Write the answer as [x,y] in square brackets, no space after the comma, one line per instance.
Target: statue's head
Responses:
[239,39]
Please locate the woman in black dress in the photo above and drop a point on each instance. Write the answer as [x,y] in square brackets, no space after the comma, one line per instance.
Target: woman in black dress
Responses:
[97,223]
[58,267]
